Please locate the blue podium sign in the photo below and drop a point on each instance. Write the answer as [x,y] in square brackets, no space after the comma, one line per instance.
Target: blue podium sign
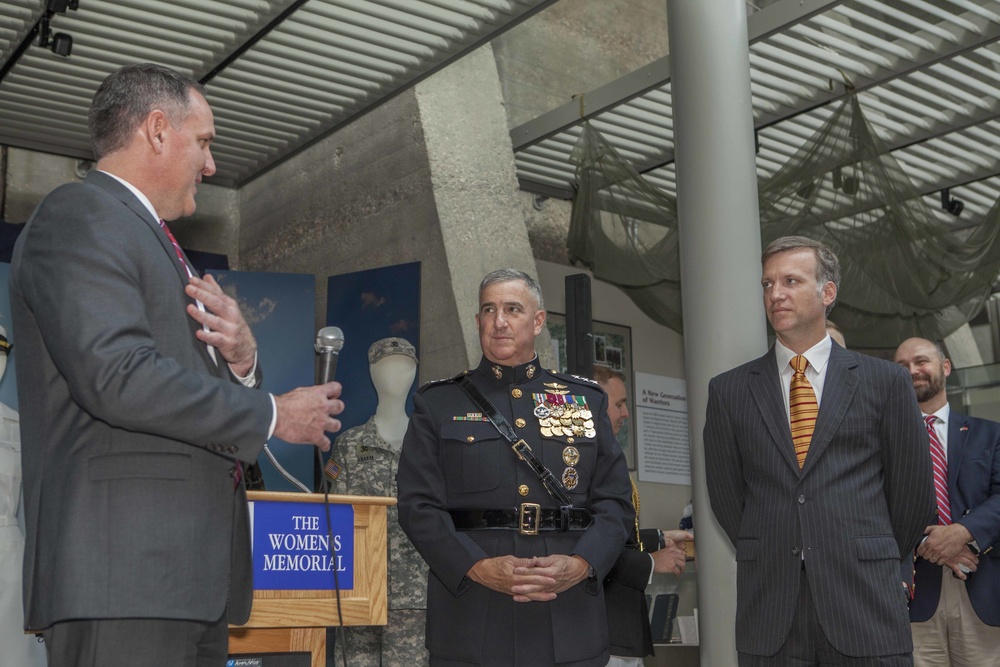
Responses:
[292,547]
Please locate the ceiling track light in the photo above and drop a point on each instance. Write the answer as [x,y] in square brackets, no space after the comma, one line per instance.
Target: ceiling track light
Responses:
[59,43]
[951,204]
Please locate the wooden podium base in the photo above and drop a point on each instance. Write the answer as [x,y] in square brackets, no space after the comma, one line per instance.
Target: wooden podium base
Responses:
[280,640]
[284,621]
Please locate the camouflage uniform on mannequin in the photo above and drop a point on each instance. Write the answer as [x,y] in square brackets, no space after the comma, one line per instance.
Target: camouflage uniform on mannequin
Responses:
[367,457]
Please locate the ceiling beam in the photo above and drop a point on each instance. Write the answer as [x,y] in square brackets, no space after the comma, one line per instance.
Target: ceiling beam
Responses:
[970,41]
[760,25]
[407,85]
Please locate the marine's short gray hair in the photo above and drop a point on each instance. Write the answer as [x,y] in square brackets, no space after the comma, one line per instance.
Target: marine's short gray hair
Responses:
[507,275]
[827,264]
[128,95]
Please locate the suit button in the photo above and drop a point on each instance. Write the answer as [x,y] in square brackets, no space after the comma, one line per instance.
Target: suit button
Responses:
[232,449]
[520,423]
[516,393]
[802,500]
[796,551]
[523,490]
[232,472]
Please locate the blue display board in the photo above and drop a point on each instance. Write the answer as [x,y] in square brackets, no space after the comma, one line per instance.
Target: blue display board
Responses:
[8,384]
[280,309]
[368,306]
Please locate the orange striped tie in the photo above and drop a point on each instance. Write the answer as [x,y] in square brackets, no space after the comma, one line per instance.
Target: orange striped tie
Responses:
[803,408]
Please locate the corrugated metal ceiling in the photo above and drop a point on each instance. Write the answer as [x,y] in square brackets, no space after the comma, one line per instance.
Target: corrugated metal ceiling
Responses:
[928,72]
[280,73]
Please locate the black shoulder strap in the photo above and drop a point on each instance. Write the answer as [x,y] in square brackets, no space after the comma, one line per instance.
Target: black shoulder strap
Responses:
[519,446]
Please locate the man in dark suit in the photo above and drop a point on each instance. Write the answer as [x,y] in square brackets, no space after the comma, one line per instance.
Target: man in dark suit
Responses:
[515,575]
[647,551]
[138,403]
[955,612]
[818,472]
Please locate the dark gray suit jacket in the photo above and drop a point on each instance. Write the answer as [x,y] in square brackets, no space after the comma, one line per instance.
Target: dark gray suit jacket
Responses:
[863,497]
[129,429]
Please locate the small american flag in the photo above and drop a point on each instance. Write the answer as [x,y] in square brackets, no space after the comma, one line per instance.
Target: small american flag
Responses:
[331,468]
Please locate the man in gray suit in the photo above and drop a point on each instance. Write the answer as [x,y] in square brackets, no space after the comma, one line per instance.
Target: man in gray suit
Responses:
[818,471]
[138,403]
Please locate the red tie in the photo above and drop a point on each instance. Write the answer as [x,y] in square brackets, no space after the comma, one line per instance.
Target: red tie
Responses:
[940,472]
[177,246]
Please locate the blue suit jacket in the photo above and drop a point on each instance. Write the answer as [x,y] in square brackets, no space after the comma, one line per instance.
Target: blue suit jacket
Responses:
[974,494]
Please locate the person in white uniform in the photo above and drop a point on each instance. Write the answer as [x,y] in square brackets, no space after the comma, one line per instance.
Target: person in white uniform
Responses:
[19,649]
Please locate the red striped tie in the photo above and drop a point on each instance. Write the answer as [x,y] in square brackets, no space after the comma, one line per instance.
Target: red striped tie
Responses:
[940,463]
[177,246]
[803,408]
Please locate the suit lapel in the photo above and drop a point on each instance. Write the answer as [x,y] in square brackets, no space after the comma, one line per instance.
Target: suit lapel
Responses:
[765,387]
[839,388]
[957,439]
[125,196]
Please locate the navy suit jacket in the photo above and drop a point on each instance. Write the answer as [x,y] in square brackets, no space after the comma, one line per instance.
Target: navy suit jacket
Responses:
[974,496]
[862,499]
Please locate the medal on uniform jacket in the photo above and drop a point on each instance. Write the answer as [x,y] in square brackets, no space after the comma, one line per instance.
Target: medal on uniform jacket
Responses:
[470,417]
[562,415]
[570,478]
[571,456]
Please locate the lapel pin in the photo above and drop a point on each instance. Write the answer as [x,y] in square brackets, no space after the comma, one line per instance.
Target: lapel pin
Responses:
[964,428]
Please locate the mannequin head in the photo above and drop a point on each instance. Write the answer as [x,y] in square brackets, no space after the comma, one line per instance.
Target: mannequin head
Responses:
[393,376]
[393,366]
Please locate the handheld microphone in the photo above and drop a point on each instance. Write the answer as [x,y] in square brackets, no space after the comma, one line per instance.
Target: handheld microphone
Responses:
[329,342]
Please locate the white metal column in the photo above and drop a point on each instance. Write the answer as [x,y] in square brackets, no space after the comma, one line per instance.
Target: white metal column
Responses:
[720,252]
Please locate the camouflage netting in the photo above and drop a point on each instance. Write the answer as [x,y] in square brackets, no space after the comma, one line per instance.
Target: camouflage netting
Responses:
[905,273]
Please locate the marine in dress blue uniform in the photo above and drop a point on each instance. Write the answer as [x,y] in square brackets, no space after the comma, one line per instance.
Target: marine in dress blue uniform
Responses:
[514,581]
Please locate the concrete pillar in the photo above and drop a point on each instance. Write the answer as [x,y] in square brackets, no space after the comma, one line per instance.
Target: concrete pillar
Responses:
[724,322]
[474,183]
[428,176]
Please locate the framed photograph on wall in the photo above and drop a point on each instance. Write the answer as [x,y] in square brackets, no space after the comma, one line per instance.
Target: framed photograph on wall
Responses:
[612,348]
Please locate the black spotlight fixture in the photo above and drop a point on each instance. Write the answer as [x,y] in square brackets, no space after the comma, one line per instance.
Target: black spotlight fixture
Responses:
[846,184]
[951,204]
[60,43]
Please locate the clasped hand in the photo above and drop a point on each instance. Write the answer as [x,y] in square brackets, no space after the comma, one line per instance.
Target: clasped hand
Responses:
[948,546]
[537,579]
[671,558]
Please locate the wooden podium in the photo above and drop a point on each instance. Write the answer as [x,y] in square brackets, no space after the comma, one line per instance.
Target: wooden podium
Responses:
[296,620]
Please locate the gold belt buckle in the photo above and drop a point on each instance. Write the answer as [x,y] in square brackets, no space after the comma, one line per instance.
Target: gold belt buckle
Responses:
[529,518]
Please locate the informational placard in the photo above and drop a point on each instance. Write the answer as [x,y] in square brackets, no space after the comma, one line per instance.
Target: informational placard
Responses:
[661,410]
[292,547]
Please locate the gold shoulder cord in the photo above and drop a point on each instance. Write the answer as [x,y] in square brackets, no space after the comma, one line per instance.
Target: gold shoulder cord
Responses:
[635,503]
